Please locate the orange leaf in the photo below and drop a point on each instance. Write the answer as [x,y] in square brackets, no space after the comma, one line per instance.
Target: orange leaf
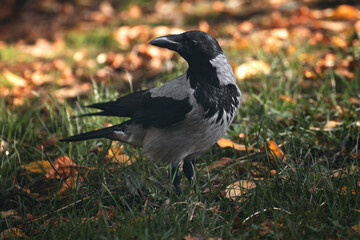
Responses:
[356,228]
[37,166]
[71,182]
[223,143]
[275,150]
[345,12]
[63,168]
[331,124]
[12,233]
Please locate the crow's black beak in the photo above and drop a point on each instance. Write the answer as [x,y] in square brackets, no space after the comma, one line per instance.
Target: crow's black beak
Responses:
[172,42]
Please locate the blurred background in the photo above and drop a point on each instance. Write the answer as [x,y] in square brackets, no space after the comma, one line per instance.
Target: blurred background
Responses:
[58,46]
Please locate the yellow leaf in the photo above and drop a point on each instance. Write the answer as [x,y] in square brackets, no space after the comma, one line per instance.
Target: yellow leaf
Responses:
[13,79]
[331,124]
[252,68]
[223,143]
[239,188]
[117,155]
[123,158]
[37,166]
[115,150]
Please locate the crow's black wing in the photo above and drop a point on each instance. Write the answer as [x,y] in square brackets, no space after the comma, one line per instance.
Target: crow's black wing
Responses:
[123,107]
[149,111]
[162,112]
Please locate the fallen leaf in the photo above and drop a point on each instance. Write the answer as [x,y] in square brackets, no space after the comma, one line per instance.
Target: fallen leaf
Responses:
[38,78]
[13,79]
[239,188]
[338,41]
[344,191]
[134,11]
[8,213]
[334,26]
[256,169]
[330,125]
[41,166]
[251,69]
[71,183]
[224,161]
[246,26]
[345,172]
[287,99]
[11,233]
[4,147]
[356,228]
[345,12]
[63,167]
[309,74]
[276,152]
[117,155]
[223,143]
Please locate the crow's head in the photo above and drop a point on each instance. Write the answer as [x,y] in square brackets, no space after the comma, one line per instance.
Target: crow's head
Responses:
[194,46]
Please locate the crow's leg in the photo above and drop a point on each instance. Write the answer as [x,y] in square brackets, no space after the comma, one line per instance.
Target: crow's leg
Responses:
[175,177]
[188,168]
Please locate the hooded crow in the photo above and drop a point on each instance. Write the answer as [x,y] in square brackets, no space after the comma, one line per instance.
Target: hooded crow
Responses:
[182,118]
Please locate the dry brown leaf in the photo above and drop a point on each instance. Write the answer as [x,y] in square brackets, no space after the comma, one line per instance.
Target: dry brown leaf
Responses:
[224,161]
[38,78]
[239,188]
[346,12]
[251,69]
[41,166]
[334,26]
[73,91]
[71,183]
[11,233]
[276,152]
[8,213]
[13,79]
[223,143]
[63,167]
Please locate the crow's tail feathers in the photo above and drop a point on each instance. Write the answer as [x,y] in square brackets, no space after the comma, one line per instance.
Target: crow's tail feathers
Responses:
[101,133]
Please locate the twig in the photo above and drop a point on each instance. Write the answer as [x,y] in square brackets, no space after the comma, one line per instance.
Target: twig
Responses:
[264,210]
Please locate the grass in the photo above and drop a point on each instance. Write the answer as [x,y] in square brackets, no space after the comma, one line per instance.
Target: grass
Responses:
[304,199]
